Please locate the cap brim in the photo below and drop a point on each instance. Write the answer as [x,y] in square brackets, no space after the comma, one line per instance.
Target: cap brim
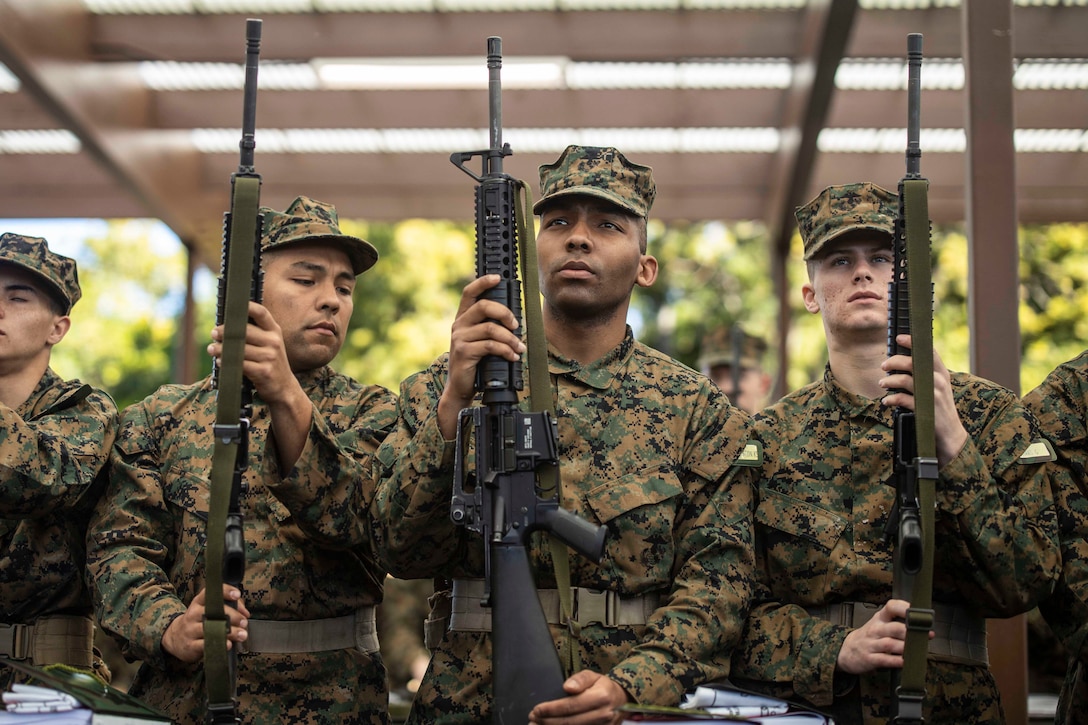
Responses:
[815,249]
[587,191]
[362,253]
[51,288]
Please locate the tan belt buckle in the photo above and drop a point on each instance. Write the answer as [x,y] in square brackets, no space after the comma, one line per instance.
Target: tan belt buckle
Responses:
[592,606]
[15,641]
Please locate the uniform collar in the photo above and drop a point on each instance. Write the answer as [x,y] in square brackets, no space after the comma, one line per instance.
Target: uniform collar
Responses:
[853,405]
[597,374]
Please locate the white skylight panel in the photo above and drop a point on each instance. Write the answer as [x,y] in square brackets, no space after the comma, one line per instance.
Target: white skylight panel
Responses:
[890,140]
[1046,74]
[39,141]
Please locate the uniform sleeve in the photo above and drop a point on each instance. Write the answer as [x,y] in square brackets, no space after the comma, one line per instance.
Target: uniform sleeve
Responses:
[51,462]
[996,524]
[414,536]
[127,559]
[1061,406]
[689,639]
[331,486]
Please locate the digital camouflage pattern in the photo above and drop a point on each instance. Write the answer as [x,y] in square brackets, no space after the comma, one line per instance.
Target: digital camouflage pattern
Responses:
[57,271]
[604,173]
[845,208]
[822,507]
[146,551]
[307,221]
[52,450]
[1061,405]
[647,448]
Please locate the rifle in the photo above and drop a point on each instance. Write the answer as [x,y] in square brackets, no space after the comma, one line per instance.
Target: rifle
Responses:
[507,497]
[914,469]
[239,282]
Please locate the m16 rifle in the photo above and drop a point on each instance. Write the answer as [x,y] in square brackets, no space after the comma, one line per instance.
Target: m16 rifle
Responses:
[512,491]
[239,282]
[914,470]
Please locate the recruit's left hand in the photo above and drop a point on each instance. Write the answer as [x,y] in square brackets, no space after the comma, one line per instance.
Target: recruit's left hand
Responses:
[591,698]
[950,433]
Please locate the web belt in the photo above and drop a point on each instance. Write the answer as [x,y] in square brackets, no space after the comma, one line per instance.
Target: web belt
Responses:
[351,631]
[591,606]
[58,638]
[960,636]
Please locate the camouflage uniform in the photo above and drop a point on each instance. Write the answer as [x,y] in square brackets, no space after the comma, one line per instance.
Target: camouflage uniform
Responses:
[53,449]
[1061,405]
[647,448]
[147,541]
[146,552]
[822,507]
[823,504]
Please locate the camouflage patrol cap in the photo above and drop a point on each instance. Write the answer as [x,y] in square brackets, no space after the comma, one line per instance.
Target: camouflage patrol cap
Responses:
[845,208]
[724,345]
[309,220]
[58,272]
[601,172]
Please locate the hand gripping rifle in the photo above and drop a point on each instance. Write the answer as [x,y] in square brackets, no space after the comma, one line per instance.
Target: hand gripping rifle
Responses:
[239,282]
[914,469]
[508,497]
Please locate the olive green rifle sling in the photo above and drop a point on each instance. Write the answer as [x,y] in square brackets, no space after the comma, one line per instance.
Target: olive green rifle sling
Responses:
[540,399]
[920,614]
[918,587]
[224,557]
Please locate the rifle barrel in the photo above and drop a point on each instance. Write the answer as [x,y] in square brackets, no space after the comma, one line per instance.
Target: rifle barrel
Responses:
[494,99]
[914,104]
[249,103]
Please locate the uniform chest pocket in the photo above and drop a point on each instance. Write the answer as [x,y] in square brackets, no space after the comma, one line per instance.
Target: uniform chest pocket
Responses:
[640,511]
[782,517]
[794,543]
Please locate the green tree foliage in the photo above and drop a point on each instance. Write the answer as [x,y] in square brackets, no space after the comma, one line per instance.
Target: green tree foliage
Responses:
[405,305]
[124,331]
[1053,298]
[710,275]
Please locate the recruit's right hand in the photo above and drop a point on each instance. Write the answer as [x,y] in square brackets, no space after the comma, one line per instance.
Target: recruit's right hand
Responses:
[878,643]
[184,638]
[474,336]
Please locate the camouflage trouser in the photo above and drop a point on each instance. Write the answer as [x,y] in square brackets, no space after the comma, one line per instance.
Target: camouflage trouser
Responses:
[1073,701]
[955,695]
[318,688]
